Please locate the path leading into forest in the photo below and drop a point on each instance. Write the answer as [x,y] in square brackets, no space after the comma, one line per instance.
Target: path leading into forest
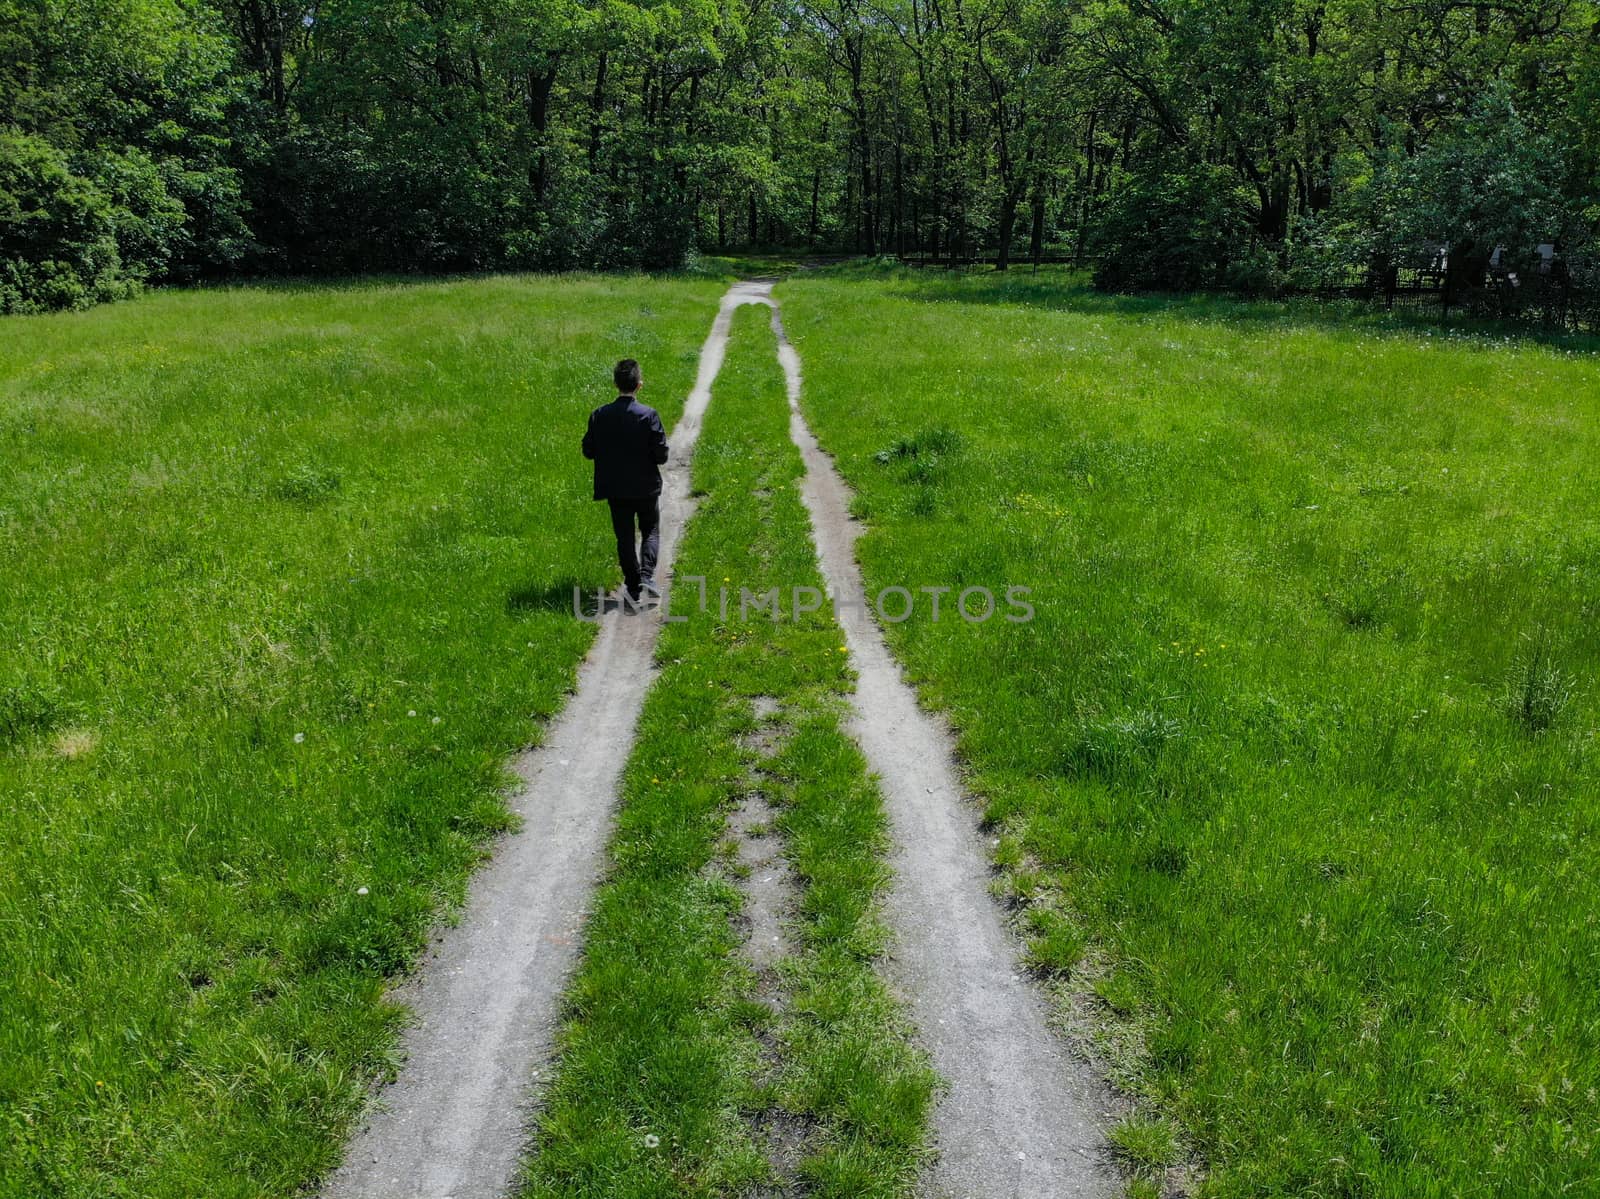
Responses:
[1018,1119]
[486,1000]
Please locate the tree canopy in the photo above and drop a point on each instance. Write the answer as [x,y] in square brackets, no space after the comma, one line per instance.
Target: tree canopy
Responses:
[1253,144]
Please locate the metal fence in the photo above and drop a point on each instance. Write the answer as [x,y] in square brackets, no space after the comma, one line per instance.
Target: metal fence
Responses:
[1548,295]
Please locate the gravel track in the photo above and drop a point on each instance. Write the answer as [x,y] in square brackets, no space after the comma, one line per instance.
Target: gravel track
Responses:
[1019,1118]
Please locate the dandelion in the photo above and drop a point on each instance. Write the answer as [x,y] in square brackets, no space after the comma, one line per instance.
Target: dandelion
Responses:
[438,719]
[361,891]
[299,738]
[98,1083]
[651,1140]
[412,712]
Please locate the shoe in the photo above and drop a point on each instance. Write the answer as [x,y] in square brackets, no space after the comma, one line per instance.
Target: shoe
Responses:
[649,588]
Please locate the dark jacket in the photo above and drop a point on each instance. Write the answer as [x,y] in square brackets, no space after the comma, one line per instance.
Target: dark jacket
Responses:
[628,445]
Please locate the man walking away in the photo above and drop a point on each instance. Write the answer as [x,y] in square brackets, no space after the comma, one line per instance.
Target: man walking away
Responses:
[627,445]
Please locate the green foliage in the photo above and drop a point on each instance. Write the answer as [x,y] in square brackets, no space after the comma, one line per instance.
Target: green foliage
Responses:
[1487,179]
[1276,145]
[114,162]
[1259,148]
[1173,227]
[58,245]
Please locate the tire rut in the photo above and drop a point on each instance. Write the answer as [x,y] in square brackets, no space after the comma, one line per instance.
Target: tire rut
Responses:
[1020,1118]
[486,999]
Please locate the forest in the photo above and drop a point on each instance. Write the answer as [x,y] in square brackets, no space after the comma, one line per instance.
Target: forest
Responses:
[1259,146]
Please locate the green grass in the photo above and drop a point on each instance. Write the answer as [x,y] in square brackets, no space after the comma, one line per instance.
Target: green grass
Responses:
[286,576]
[663,1077]
[1295,772]
[1146,1146]
[746,265]
[1297,767]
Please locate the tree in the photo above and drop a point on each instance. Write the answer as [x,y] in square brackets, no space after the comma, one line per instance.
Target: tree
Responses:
[118,155]
[1254,144]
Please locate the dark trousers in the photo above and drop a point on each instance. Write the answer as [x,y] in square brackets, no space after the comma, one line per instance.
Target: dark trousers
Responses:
[641,565]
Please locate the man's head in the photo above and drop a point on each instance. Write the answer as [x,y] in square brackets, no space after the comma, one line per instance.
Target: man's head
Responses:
[627,376]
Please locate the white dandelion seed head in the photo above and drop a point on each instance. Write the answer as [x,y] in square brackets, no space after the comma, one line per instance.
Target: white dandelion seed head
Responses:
[438,719]
[361,890]
[299,737]
[651,1140]
[413,712]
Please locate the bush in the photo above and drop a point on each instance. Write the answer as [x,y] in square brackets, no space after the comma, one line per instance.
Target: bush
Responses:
[1255,272]
[1326,250]
[1581,262]
[1174,228]
[58,244]
[148,220]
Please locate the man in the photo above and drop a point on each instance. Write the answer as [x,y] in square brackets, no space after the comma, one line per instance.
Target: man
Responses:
[627,445]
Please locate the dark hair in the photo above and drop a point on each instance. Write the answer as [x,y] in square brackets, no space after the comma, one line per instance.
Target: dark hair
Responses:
[626,376]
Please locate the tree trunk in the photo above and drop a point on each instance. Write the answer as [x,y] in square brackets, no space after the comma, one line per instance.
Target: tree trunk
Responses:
[816,195]
[539,86]
[1036,238]
[871,244]
[899,199]
[596,106]
[1008,228]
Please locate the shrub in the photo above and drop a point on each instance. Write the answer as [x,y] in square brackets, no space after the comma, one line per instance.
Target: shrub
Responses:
[58,246]
[1255,272]
[147,220]
[1173,227]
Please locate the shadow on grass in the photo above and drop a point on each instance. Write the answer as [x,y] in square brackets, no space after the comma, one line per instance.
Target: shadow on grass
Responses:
[1067,290]
[729,270]
[553,597]
[570,597]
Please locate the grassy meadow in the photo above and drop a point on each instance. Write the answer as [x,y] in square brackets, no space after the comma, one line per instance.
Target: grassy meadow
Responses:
[1295,775]
[286,577]
[684,1071]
